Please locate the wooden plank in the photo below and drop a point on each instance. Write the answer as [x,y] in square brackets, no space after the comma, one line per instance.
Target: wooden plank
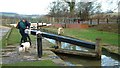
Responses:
[8,50]
[10,46]
[74,52]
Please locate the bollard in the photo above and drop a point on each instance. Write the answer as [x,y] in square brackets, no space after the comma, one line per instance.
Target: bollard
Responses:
[39,45]
[98,48]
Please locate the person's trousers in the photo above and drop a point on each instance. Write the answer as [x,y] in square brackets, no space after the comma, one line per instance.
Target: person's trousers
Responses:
[27,36]
[23,38]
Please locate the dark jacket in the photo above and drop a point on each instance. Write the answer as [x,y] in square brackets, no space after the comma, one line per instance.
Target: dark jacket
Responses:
[28,24]
[23,25]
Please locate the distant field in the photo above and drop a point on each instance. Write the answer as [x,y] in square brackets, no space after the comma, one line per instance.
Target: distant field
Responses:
[107,27]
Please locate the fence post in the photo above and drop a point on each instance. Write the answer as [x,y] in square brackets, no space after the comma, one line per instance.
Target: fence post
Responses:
[90,21]
[98,21]
[98,48]
[39,45]
[107,21]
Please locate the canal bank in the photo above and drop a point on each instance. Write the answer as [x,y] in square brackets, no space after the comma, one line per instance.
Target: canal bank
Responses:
[3,31]
[12,57]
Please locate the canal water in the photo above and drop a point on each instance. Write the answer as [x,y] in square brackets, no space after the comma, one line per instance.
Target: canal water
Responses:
[107,59]
[3,31]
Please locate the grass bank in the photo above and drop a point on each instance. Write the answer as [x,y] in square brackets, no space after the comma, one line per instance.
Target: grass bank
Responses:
[14,38]
[4,40]
[33,63]
[90,35]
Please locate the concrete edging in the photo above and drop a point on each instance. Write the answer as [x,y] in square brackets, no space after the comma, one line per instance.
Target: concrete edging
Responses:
[7,36]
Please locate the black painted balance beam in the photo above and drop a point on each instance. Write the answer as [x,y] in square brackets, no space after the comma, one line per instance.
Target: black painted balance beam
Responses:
[66,39]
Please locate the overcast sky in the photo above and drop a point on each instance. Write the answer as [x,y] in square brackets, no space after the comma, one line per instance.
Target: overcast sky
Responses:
[25,6]
[35,6]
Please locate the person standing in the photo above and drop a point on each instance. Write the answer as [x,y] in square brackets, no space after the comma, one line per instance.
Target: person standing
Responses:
[27,27]
[22,25]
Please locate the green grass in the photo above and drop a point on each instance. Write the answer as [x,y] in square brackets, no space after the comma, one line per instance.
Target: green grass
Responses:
[91,35]
[33,63]
[0,43]
[15,38]
[3,41]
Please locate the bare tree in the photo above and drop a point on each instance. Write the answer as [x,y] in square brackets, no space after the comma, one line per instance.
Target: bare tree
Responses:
[85,9]
[58,9]
[71,6]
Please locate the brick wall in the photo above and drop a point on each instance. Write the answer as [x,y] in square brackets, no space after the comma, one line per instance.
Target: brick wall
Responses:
[72,25]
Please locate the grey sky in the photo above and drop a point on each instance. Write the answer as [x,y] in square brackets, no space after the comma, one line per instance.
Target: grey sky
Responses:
[39,6]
